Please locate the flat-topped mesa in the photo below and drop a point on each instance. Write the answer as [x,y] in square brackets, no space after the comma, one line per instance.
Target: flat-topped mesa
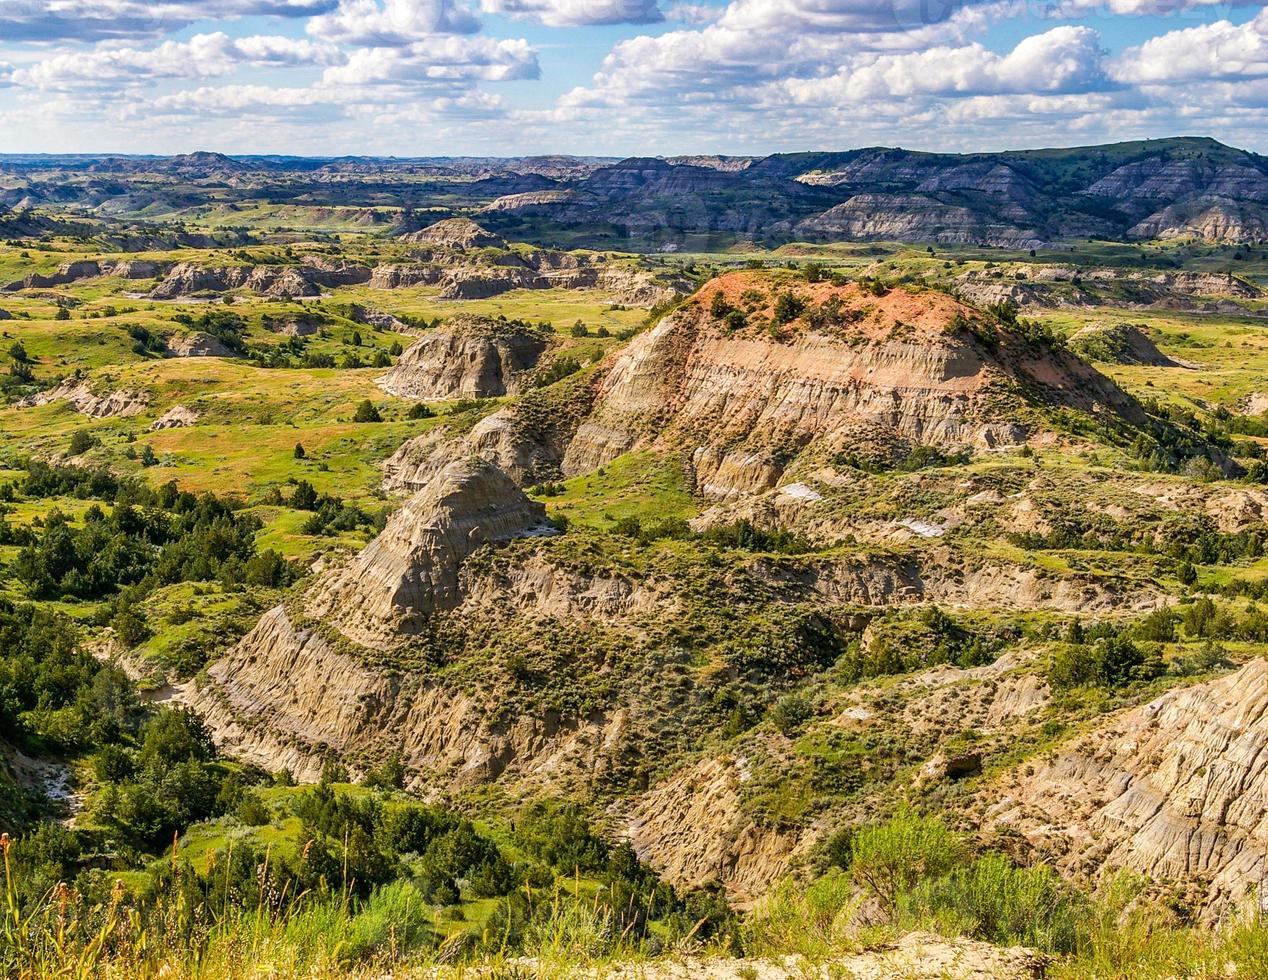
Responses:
[411,569]
[467,357]
[70,272]
[755,370]
[456,232]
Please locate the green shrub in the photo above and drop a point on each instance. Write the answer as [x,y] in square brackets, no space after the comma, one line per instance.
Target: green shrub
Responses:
[891,858]
[811,920]
[788,307]
[366,412]
[790,713]
[994,900]
[394,920]
[252,810]
[80,442]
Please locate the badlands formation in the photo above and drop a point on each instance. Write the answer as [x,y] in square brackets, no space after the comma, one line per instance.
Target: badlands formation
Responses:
[659,536]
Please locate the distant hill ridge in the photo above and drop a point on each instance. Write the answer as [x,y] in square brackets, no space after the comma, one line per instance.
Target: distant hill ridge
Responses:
[1183,187]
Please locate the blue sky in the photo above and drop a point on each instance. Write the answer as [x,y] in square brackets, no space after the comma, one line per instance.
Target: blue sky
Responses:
[624,77]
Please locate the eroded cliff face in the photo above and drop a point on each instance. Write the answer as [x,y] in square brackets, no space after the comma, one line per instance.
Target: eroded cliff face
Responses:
[79,394]
[1174,789]
[309,680]
[411,569]
[917,217]
[1166,188]
[298,686]
[455,232]
[745,403]
[70,272]
[498,437]
[692,829]
[188,279]
[197,344]
[468,357]
[526,440]
[286,697]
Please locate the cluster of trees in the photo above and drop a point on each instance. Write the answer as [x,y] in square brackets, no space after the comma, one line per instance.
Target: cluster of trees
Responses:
[47,681]
[144,340]
[21,372]
[158,765]
[147,539]
[161,776]
[916,458]
[194,539]
[902,642]
[1190,539]
[1175,440]
[1113,655]
[329,514]
[356,846]
[741,535]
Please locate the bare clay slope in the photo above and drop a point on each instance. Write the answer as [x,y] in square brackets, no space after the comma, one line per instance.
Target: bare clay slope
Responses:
[469,357]
[287,692]
[411,569]
[1174,789]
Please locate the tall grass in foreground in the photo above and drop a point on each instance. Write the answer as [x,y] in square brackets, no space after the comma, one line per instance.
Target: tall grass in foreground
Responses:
[1119,935]
[308,936]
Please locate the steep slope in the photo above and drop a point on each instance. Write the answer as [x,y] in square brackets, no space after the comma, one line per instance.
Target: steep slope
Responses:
[744,404]
[1166,188]
[693,830]
[197,344]
[189,279]
[411,569]
[79,394]
[292,689]
[1174,789]
[917,217]
[467,357]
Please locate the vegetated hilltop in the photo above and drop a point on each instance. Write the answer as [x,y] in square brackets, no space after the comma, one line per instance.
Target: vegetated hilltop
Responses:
[1154,189]
[753,375]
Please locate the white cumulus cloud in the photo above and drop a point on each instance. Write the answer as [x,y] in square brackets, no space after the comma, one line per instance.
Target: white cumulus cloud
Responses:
[1061,60]
[94,20]
[1210,51]
[392,23]
[203,56]
[436,61]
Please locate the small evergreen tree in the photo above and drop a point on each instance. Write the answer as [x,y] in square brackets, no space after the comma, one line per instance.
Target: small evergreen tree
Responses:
[366,412]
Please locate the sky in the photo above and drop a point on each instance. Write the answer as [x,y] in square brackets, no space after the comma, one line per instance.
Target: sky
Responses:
[624,77]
